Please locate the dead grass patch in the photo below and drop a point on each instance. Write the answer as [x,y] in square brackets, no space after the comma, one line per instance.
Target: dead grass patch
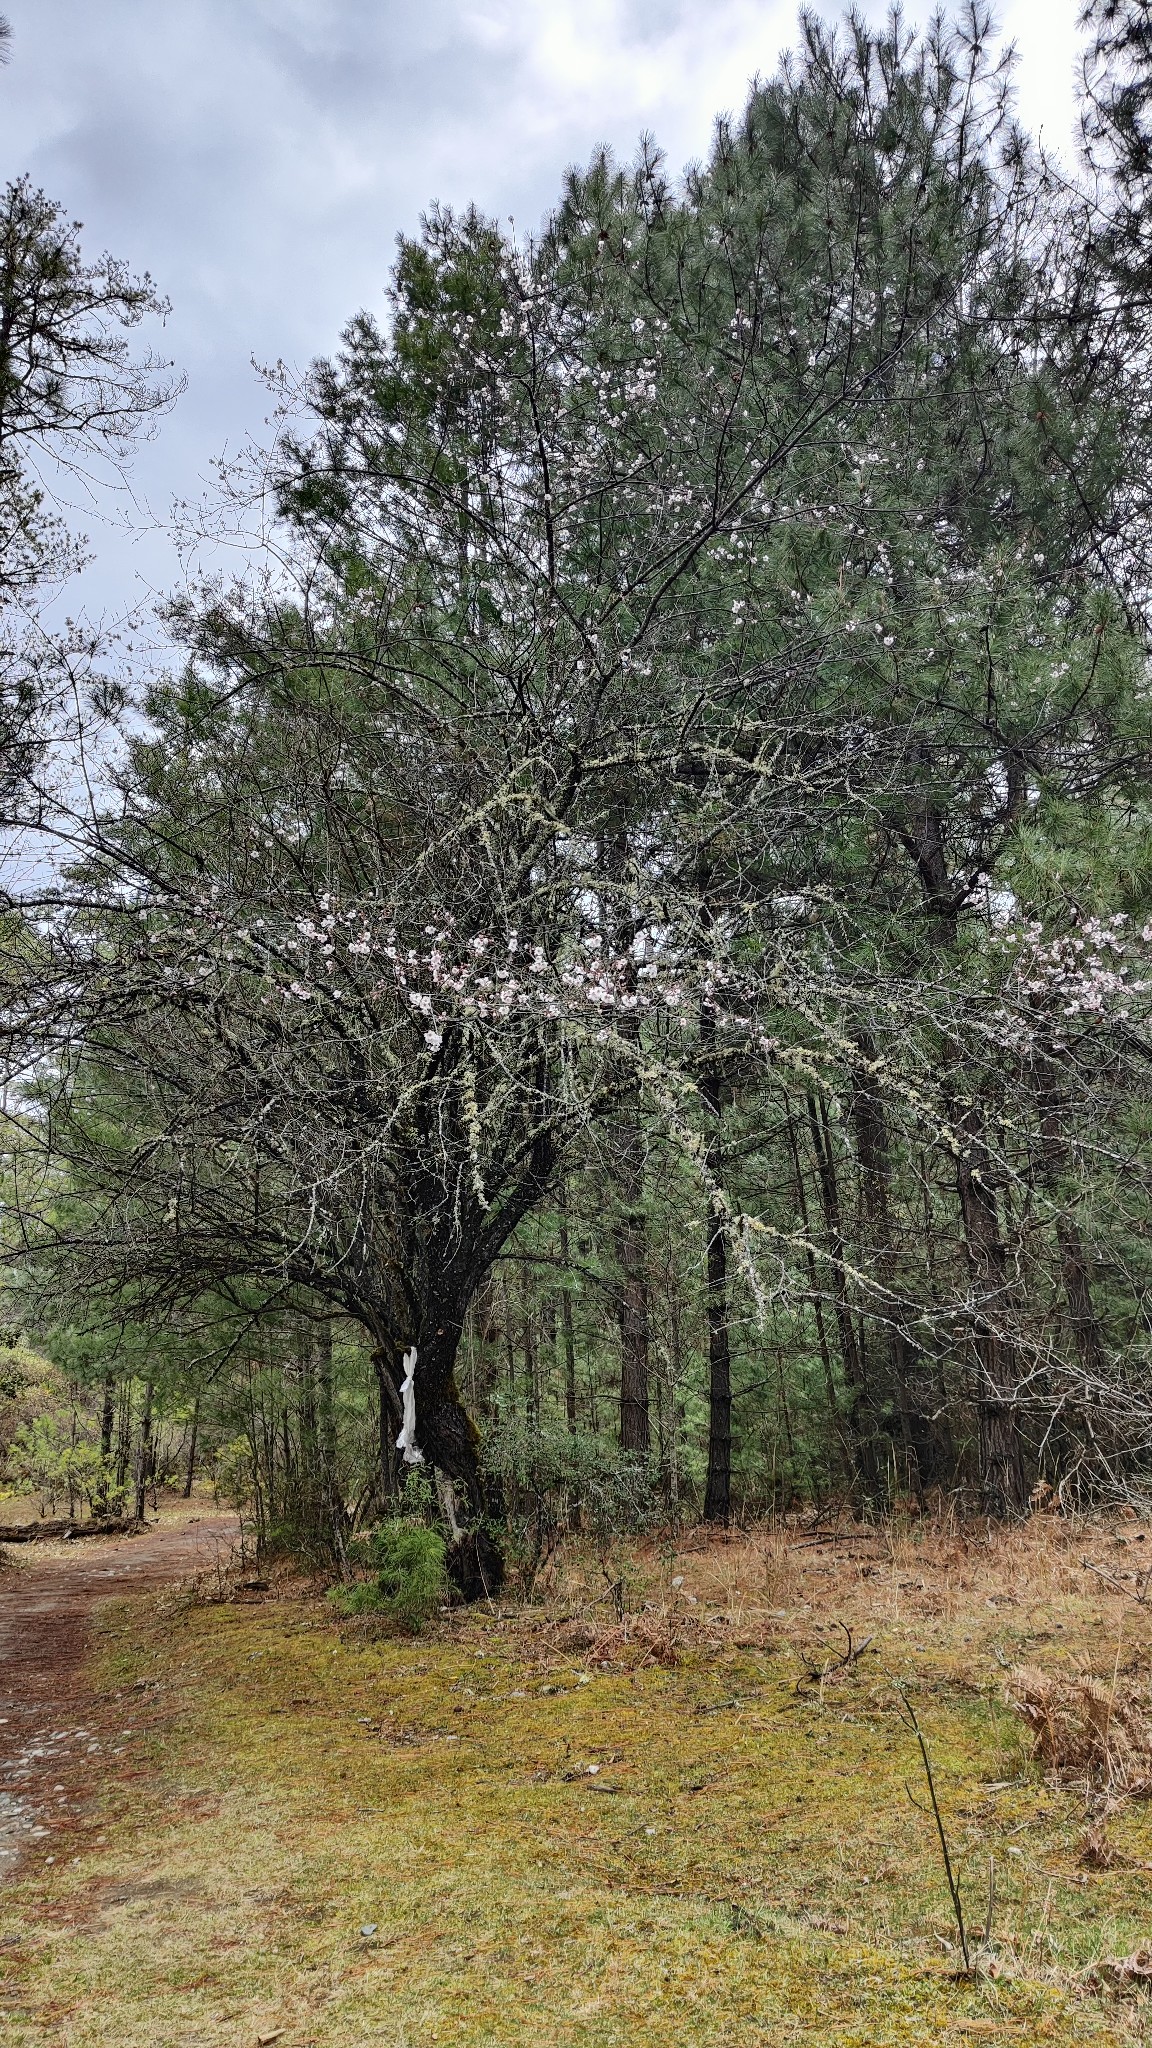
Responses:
[1087,1728]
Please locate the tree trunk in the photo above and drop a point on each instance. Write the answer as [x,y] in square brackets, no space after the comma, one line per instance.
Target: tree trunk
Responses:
[1003,1482]
[1083,1319]
[1000,1449]
[107,1423]
[892,1371]
[446,1437]
[718,1486]
[107,1417]
[335,1511]
[389,1417]
[528,1345]
[630,1243]
[144,1451]
[124,1435]
[630,1226]
[567,1329]
[861,1420]
[191,1472]
[841,1433]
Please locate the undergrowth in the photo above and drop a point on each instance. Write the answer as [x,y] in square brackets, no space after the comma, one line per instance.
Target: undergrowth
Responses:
[407,1579]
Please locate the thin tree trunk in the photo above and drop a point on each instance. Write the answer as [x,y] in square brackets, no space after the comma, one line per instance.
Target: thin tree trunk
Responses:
[191,1471]
[1002,1473]
[630,1226]
[789,1439]
[567,1329]
[840,1431]
[630,1241]
[124,1435]
[107,1417]
[335,1512]
[862,1423]
[107,1422]
[718,1485]
[144,1451]
[528,1342]
[894,1355]
[309,1492]
[1000,1447]
[1083,1319]
[390,1414]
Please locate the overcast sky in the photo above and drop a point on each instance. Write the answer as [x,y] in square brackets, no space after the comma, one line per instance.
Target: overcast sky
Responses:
[259,157]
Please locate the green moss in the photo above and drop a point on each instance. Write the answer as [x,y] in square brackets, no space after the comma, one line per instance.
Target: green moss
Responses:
[742,1867]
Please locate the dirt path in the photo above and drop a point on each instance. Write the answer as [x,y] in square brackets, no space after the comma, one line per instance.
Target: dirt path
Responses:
[54,1732]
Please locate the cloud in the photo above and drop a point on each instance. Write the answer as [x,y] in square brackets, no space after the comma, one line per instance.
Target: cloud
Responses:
[259,157]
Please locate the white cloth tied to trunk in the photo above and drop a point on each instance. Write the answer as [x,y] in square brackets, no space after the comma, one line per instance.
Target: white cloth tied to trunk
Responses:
[406,1441]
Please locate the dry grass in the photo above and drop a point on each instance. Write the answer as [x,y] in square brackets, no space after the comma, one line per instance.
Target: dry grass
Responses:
[657,1808]
[1088,1728]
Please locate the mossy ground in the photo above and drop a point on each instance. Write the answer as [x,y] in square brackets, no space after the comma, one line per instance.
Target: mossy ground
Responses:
[744,1866]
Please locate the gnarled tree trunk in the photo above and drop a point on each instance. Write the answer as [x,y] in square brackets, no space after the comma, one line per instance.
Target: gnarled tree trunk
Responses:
[447,1440]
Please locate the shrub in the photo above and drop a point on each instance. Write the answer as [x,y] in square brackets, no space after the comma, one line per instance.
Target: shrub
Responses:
[549,1473]
[43,1457]
[409,1580]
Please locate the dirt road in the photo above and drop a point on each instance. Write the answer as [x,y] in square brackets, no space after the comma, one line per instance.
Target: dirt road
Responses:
[54,1732]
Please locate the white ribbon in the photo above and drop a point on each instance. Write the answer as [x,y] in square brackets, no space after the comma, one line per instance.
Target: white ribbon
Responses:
[406,1441]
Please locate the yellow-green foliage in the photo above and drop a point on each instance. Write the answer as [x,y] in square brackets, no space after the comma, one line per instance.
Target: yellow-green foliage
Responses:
[717,1853]
[408,1578]
[32,1390]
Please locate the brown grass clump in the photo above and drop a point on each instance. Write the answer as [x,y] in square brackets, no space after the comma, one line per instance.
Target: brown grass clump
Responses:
[1123,1975]
[1096,1852]
[657,1636]
[638,1640]
[1084,1727]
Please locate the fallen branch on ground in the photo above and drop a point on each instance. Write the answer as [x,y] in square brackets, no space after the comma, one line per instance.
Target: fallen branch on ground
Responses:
[42,1532]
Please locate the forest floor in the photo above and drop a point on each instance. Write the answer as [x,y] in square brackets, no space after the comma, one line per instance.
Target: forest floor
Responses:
[650,1807]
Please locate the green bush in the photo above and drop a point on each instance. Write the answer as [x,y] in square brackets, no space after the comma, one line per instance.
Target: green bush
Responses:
[547,1471]
[43,1457]
[409,1581]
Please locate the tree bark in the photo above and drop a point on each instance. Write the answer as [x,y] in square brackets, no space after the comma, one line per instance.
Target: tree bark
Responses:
[529,1346]
[107,1421]
[389,1417]
[567,1329]
[144,1451]
[892,1375]
[335,1509]
[1003,1481]
[861,1420]
[124,1435]
[842,1433]
[718,1485]
[447,1439]
[190,1474]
